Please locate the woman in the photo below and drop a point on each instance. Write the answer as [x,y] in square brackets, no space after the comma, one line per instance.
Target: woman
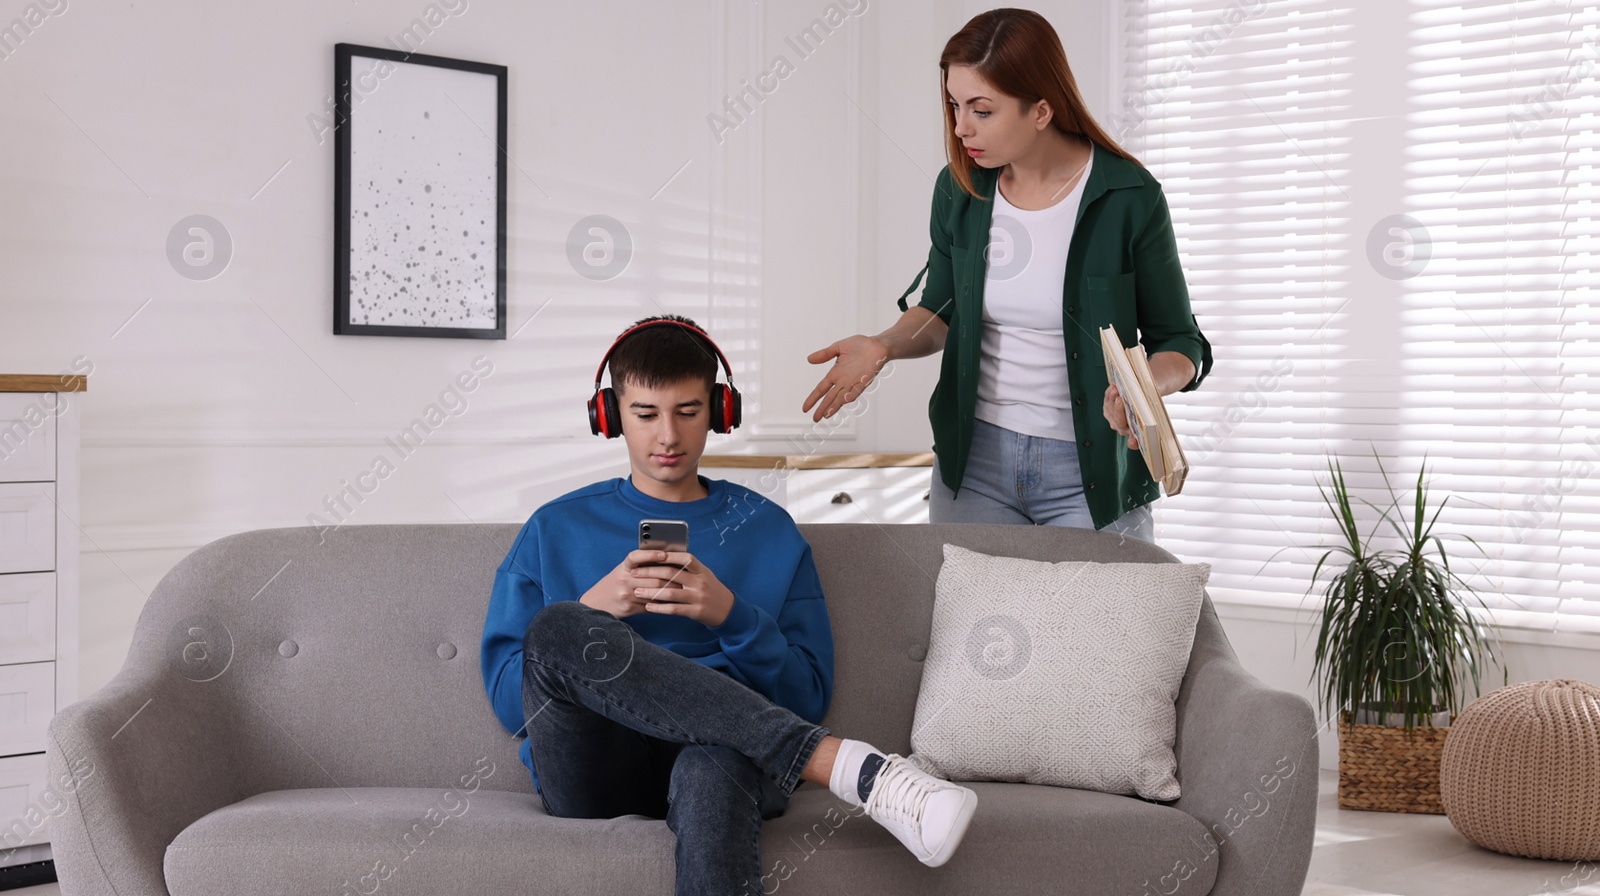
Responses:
[1035,195]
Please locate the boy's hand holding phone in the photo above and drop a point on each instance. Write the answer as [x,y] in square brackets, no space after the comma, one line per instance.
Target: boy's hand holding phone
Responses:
[662,577]
[682,586]
[617,592]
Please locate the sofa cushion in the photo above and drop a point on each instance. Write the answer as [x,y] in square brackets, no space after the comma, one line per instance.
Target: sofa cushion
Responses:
[1057,673]
[416,841]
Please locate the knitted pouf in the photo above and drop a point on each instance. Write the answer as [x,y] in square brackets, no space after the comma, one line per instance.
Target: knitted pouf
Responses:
[1520,772]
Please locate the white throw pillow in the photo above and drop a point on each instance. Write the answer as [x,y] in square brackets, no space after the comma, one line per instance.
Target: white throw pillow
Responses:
[1057,673]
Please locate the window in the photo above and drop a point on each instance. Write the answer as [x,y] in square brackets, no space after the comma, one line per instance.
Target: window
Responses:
[1386,215]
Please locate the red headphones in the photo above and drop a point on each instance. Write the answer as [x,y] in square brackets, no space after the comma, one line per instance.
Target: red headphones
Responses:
[605,415]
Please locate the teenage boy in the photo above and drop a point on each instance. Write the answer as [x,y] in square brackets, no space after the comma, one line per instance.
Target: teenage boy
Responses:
[685,685]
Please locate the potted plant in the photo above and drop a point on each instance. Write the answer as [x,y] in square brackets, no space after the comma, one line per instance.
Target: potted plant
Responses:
[1396,640]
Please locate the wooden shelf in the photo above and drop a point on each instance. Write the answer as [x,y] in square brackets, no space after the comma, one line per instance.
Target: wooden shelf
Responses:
[43,382]
[816,461]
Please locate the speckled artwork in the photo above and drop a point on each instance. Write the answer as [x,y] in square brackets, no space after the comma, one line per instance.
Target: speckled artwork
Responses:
[423,197]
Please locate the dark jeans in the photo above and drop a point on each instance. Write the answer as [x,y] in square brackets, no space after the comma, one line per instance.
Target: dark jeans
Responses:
[621,726]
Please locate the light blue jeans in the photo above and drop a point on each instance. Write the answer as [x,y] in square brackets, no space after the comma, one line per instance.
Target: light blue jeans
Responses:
[1016,478]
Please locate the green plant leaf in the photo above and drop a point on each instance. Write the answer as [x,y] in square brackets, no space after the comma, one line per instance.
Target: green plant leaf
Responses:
[1395,630]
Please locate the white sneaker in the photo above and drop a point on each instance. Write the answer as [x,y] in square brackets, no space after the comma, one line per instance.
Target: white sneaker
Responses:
[929,816]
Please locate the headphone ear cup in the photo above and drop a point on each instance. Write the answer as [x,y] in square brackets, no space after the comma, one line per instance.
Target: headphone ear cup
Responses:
[611,425]
[725,410]
[604,418]
[719,404]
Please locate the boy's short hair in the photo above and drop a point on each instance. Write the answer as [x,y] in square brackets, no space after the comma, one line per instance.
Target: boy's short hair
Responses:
[657,356]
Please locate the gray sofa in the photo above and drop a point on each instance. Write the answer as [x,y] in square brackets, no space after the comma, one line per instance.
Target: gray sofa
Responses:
[304,717]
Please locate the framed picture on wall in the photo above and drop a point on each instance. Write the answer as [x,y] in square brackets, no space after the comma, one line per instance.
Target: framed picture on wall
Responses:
[419,195]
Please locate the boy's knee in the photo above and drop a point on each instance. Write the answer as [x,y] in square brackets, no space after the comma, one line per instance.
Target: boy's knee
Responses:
[553,618]
[581,640]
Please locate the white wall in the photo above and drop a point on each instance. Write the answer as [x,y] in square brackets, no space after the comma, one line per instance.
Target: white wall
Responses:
[226,405]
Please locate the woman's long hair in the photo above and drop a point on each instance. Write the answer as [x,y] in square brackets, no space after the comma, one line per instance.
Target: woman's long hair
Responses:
[1018,52]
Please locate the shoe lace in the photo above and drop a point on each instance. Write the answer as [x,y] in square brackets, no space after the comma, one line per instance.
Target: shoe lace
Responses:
[897,792]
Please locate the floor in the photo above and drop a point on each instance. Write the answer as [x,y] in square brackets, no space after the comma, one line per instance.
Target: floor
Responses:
[1360,853]
[1388,854]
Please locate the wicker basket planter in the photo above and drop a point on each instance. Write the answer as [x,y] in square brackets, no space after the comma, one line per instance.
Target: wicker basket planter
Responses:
[1397,635]
[1384,769]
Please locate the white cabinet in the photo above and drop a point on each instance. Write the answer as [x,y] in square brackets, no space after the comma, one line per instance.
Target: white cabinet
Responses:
[834,488]
[38,594]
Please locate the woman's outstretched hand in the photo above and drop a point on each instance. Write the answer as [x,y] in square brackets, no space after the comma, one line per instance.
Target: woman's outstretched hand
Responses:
[856,362]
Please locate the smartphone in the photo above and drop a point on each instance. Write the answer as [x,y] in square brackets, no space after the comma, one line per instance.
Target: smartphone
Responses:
[663,535]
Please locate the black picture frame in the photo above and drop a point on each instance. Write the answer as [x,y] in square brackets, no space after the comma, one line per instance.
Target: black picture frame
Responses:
[384,283]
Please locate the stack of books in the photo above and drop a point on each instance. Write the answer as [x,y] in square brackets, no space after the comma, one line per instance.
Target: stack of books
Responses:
[1129,370]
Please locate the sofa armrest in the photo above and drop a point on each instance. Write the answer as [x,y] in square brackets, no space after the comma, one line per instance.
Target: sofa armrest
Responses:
[133,765]
[1248,767]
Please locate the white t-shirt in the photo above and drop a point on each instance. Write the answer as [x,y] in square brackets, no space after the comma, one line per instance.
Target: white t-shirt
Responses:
[1022,375]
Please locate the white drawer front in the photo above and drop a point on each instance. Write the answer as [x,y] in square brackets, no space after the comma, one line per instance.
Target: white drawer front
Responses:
[27,527]
[27,437]
[27,702]
[27,617]
[868,495]
[897,504]
[27,803]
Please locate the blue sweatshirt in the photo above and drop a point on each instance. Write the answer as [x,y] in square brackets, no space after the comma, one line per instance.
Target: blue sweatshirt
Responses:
[776,639]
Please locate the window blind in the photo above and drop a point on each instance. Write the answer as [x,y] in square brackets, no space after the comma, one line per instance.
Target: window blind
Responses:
[1386,216]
